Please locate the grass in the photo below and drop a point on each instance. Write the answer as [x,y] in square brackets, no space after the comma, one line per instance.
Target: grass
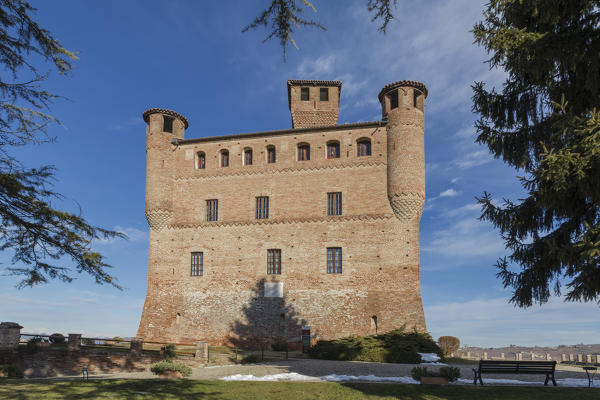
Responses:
[195,389]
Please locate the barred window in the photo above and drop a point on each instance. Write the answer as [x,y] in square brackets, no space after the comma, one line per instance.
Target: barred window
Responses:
[303,152]
[324,94]
[201,160]
[274,261]
[271,155]
[262,207]
[197,264]
[248,157]
[212,210]
[363,147]
[394,100]
[224,158]
[334,260]
[333,149]
[334,203]
[304,94]
[168,124]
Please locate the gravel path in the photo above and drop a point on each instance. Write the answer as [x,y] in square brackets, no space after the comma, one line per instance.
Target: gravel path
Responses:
[317,368]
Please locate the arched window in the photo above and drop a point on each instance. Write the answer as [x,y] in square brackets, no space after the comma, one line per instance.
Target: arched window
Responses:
[271,154]
[374,324]
[363,147]
[333,149]
[247,156]
[303,152]
[200,160]
[224,158]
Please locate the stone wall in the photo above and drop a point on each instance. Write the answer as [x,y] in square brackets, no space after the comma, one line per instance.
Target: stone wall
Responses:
[10,334]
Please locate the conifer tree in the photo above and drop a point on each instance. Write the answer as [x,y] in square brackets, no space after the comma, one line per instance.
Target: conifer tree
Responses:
[46,243]
[545,122]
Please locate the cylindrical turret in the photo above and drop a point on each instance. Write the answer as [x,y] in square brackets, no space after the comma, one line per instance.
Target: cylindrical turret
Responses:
[162,126]
[403,104]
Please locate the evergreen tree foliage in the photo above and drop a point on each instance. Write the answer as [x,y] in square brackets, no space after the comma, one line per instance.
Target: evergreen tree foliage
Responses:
[284,16]
[41,237]
[545,122]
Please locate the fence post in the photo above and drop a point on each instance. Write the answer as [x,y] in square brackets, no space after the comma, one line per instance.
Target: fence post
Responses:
[571,357]
[202,351]
[548,358]
[74,342]
[563,357]
[485,355]
[137,344]
[502,356]
[579,358]
[588,358]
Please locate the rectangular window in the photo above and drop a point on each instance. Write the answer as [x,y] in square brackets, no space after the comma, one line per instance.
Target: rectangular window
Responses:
[303,152]
[248,157]
[324,93]
[334,203]
[334,260]
[197,264]
[212,210]
[262,207]
[224,159]
[304,93]
[168,124]
[333,150]
[271,155]
[274,261]
[394,100]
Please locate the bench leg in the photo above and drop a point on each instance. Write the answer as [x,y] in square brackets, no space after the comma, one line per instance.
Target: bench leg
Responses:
[547,379]
[480,381]
[553,380]
[475,378]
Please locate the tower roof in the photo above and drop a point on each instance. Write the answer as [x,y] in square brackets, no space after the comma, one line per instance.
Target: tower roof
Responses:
[146,114]
[391,86]
[310,82]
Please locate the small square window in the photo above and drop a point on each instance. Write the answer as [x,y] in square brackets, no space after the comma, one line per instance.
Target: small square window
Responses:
[168,124]
[304,94]
[324,94]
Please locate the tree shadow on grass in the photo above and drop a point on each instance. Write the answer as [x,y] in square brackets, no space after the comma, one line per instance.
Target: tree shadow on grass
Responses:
[110,389]
[267,320]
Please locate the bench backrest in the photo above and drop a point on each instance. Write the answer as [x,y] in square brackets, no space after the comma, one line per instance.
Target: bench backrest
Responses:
[517,366]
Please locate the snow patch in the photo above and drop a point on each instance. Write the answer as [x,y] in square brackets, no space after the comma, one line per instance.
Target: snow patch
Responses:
[293,376]
[429,357]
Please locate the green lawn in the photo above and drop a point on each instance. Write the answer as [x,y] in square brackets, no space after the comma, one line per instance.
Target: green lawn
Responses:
[193,389]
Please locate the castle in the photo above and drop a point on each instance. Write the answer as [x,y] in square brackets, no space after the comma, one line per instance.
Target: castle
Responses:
[254,235]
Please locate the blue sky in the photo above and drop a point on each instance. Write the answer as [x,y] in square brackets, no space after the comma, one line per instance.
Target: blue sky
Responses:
[191,57]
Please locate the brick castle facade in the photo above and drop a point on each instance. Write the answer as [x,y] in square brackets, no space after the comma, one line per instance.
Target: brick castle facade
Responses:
[254,235]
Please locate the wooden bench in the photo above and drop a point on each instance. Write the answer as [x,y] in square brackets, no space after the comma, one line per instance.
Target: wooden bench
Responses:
[516,367]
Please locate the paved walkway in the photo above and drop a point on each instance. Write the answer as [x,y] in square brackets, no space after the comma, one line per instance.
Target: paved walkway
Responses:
[318,368]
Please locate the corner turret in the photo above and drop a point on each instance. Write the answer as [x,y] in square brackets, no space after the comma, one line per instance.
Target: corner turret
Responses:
[403,105]
[162,126]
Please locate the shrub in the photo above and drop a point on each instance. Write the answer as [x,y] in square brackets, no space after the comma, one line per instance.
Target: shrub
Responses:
[250,359]
[449,345]
[450,373]
[418,372]
[165,366]
[279,346]
[10,371]
[169,352]
[396,346]
[33,345]
[57,338]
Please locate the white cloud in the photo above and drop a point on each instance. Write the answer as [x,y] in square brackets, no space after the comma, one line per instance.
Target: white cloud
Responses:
[464,239]
[449,193]
[495,322]
[473,159]
[309,69]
